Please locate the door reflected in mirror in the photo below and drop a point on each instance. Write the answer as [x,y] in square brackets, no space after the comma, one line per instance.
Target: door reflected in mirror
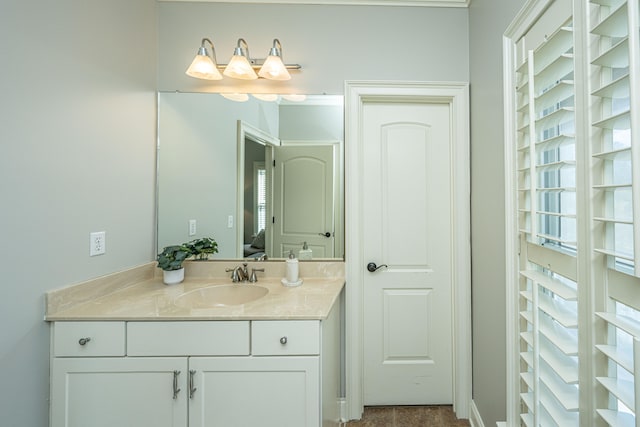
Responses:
[260,177]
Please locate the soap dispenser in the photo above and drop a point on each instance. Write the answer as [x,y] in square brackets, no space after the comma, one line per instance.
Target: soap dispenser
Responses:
[305,252]
[291,273]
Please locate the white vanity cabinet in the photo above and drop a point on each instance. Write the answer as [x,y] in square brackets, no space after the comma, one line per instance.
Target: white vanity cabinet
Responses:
[117,391]
[240,373]
[268,391]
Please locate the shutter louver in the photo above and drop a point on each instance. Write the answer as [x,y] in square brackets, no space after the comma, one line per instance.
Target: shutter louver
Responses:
[611,121]
[546,165]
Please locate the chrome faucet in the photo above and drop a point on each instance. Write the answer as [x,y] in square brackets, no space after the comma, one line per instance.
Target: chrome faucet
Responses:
[239,274]
[254,278]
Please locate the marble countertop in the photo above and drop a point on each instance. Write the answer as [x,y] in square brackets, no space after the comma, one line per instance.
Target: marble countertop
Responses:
[143,296]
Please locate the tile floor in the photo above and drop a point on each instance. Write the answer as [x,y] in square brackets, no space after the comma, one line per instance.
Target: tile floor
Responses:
[408,416]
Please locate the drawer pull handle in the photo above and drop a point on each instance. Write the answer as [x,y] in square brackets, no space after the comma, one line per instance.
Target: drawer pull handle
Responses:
[192,389]
[176,390]
[283,340]
[83,341]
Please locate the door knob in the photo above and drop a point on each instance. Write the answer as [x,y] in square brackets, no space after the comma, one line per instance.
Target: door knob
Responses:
[373,267]
[327,234]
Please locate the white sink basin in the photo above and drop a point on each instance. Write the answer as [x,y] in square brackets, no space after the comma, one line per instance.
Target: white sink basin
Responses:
[220,296]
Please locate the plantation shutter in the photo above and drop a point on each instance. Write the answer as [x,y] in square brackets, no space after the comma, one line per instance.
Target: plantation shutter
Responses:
[612,136]
[260,196]
[574,164]
[615,123]
[546,174]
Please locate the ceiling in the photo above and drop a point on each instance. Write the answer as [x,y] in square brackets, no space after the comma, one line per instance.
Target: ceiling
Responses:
[424,3]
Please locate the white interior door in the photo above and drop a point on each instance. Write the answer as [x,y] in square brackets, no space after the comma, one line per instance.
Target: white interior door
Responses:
[407,232]
[304,200]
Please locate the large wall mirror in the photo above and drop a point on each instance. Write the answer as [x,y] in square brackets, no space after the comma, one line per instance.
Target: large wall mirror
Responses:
[260,176]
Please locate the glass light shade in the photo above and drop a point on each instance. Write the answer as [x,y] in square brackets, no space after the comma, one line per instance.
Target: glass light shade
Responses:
[203,67]
[238,97]
[239,68]
[274,69]
[294,97]
[266,96]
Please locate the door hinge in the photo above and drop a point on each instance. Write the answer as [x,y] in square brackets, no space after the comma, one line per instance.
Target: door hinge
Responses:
[274,163]
[273,220]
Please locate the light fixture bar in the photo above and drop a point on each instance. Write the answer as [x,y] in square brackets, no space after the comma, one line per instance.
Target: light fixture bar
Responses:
[256,64]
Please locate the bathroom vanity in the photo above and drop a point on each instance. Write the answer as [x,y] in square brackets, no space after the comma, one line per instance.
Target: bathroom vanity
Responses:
[133,357]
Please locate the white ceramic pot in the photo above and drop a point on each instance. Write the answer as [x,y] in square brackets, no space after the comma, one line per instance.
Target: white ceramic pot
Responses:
[173,277]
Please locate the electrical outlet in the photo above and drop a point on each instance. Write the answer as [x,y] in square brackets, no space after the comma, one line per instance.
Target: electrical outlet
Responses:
[97,243]
[192,227]
[230,221]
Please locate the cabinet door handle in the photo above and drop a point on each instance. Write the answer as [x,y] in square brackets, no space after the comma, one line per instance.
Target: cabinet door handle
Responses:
[192,389]
[283,340]
[83,341]
[176,390]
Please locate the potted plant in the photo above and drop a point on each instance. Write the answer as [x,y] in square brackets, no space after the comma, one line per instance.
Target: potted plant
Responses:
[201,248]
[170,261]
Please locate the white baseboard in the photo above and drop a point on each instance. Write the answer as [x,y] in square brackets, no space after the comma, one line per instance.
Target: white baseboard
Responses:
[475,419]
[342,408]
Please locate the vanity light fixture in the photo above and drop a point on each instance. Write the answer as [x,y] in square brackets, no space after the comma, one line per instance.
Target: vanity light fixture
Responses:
[203,65]
[241,66]
[273,67]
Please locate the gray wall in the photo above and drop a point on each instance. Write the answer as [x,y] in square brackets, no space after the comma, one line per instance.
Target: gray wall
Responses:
[488,19]
[77,144]
[312,123]
[332,43]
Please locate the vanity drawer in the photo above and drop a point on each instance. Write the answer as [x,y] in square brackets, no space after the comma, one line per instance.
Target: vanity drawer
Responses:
[88,339]
[286,337]
[215,338]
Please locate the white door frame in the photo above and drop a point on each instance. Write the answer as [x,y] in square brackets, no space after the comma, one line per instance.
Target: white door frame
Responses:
[456,95]
[245,130]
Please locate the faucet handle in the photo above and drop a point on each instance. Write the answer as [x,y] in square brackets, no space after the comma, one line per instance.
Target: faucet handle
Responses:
[254,278]
[234,274]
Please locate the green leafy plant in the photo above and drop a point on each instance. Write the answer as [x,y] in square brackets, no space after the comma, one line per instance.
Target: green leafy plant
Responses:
[171,257]
[201,248]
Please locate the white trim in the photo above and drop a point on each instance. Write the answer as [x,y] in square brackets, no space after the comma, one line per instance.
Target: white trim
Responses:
[526,17]
[634,86]
[523,21]
[511,233]
[423,3]
[245,130]
[342,409]
[457,96]
[474,417]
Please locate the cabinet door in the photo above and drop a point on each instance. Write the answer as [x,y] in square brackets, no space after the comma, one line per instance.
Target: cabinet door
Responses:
[123,392]
[255,391]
